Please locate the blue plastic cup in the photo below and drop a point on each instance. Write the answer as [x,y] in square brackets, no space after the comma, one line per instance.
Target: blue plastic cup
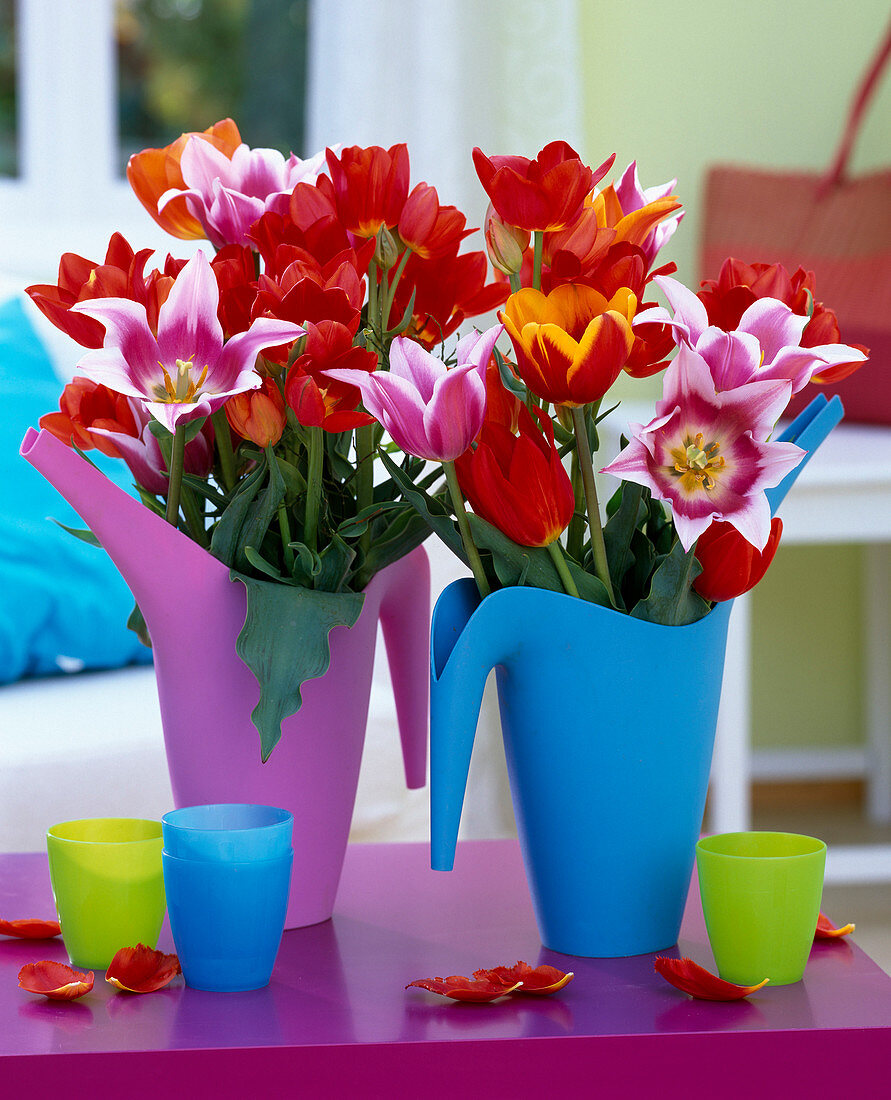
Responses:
[227,919]
[235,832]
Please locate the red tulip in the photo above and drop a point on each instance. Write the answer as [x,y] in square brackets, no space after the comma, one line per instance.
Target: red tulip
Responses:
[370,185]
[740,284]
[120,276]
[30,929]
[55,980]
[689,977]
[141,969]
[517,482]
[542,194]
[85,404]
[502,406]
[429,229]
[730,564]
[320,401]
[447,289]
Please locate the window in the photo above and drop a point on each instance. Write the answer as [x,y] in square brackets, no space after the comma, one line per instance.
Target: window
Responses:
[92,81]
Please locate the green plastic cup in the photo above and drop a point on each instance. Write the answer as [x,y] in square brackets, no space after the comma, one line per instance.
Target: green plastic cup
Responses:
[108,884]
[761,896]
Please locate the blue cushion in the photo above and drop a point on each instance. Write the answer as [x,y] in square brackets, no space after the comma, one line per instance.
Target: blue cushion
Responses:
[63,605]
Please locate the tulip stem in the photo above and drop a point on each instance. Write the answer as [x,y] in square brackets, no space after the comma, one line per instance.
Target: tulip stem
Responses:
[537,250]
[586,465]
[516,283]
[223,438]
[194,516]
[390,291]
[365,478]
[473,555]
[575,538]
[284,526]
[556,552]
[175,478]
[313,486]
[372,300]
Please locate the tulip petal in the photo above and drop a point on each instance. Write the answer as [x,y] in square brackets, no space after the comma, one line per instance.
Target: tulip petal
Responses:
[826,930]
[55,980]
[30,928]
[141,969]
[188,326]
[540,981]
[774,324]
[459,988]
[689,977]
[454,415]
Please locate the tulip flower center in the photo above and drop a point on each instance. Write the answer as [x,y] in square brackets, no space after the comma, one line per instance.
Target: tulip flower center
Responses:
[182,389]
[697,462]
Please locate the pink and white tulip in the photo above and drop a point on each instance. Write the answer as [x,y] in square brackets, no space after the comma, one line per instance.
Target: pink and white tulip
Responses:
[765,346]
[707,453]
[187,370]
[228,196]
[430,410]
[633,197]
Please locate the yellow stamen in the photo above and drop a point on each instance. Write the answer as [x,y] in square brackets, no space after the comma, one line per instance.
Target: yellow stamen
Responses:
[696,464]
[184,388]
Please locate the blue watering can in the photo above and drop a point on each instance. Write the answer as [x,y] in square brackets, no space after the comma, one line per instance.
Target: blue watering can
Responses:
[608,724]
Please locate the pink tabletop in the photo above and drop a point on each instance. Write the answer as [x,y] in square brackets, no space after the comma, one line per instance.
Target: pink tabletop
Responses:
[336,1020]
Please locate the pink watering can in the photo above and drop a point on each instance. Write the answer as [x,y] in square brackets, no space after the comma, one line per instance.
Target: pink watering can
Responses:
[194,613]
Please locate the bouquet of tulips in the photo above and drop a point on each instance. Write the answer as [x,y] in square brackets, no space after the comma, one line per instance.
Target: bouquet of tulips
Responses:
[260,395]
[516,437]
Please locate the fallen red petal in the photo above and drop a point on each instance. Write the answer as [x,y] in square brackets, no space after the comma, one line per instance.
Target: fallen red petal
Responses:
[826,930]
[539,981]
[55,980]
[689,977]
[30,928]
[141,969]
[460,988]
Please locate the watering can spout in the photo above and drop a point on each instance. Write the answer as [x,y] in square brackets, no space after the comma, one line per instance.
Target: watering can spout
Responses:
[467,640]
[809,429]
[124,526]
[404,618]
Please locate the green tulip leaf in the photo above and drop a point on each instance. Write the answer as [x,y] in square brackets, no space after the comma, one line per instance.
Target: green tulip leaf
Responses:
[432,511]
[532,565]
[671,600]
[225,541]
[284,642]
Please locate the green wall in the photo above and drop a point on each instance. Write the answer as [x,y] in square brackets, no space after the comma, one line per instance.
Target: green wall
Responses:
[680,86]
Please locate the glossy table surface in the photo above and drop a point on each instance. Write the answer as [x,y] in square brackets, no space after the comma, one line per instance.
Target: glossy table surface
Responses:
[337,1017]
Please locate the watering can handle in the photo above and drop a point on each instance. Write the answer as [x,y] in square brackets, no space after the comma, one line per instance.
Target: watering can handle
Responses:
[405,622]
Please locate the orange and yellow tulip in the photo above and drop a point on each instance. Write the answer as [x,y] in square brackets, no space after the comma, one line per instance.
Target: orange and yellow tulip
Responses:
[571,344]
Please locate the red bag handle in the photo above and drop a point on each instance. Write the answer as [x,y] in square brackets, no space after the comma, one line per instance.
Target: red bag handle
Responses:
[861,100]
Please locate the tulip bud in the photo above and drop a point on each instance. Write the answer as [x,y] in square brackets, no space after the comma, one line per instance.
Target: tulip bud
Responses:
[258,415]
[386,250]
[730,564]
[505,243]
